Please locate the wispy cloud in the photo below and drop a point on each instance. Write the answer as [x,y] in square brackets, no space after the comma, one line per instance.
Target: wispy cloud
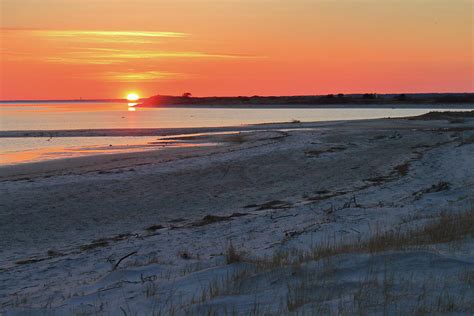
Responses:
[114,56]
[98,47]
[72,33]
[95,36]
[140,76]
[129,37]
[107,56]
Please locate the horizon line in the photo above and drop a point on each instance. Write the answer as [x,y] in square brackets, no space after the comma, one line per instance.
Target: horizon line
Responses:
[227,96]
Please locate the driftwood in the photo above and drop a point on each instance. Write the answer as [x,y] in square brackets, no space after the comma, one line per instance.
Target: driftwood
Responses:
[121,259]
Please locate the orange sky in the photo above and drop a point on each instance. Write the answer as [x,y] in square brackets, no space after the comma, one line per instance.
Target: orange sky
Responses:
[106,48]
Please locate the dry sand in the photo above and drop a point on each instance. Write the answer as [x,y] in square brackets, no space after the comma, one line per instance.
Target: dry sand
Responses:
[63,222]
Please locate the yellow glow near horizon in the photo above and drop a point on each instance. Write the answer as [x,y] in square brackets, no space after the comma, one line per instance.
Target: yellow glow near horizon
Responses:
[133,97]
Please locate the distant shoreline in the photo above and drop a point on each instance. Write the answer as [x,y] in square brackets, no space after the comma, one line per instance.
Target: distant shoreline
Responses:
[454,106]
[435,106]
[367,100]
[20,102]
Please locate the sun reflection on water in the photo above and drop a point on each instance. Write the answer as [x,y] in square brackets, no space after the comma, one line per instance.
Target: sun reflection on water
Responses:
[131,106]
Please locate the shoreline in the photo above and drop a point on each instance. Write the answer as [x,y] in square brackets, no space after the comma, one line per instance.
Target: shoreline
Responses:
[198,137]
[161,131]
[400,98]
[205,105]
[329,100]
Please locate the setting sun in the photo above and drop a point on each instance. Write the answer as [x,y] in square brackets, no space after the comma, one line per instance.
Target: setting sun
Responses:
[132,97]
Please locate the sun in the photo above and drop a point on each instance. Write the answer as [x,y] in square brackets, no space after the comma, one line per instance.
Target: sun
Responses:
[133,97]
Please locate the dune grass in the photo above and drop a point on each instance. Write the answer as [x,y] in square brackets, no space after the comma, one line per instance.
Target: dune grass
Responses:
[312,289]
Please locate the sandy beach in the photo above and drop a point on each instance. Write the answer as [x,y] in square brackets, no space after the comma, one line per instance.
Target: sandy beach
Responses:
[239,227]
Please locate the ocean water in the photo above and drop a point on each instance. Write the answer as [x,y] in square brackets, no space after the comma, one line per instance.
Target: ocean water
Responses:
[16,150]
[59,116]
[44,116]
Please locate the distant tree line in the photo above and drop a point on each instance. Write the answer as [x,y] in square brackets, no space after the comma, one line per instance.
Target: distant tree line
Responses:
[340,98]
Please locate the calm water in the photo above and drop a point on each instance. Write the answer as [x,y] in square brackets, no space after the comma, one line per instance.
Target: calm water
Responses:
[43,116]
[120,115]
[31,149]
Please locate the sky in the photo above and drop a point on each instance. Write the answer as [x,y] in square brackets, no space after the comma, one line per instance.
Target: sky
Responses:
[63,49]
